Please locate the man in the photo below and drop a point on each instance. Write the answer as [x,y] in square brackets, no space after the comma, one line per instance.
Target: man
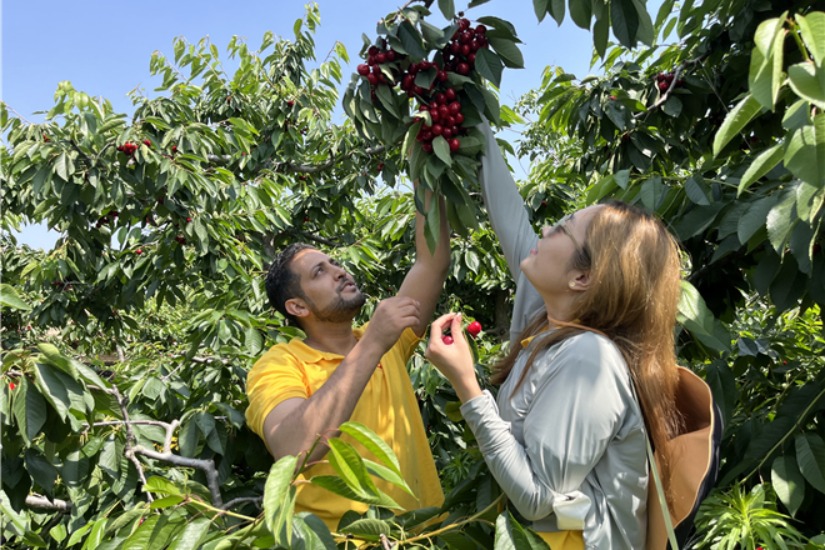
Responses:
[307,388]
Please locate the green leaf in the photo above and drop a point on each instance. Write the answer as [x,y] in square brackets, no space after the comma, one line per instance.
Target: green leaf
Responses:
[788,482]
[805,154]
[812,28]
[601,34]
[447,8]
[338,486]
[367,528]
[672,106]
[557,10]
[781,220]
[279,496]
[581,12]
[696,191]
[755,217]
[625,21]
[442,150]
[695,316]
[372,443]
[735,121]
[161,486]
[349,465]
[510,535]
[810,454]
[191,536]
[387,474]
[489,66]
[57,359]
[411,41]
[765,76]
[808,83]
[64,166]
[29,411]
[43,473]
[761,165]
[540,7]
[508,52]
[10,298]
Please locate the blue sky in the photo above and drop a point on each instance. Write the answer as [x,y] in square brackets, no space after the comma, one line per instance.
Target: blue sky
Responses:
[103,47]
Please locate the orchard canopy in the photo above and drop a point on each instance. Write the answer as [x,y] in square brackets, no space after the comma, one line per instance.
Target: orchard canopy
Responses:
[126,346]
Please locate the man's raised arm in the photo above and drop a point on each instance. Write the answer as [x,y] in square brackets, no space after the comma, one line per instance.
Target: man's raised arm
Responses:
[426,277]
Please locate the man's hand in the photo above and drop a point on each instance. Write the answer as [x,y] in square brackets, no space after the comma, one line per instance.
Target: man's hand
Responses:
[390,318]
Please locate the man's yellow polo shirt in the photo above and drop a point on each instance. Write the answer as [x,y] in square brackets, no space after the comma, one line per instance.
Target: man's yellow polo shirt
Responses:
[388,407]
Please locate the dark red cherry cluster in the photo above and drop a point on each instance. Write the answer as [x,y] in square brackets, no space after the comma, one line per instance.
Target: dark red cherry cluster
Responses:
[107,218]
[128,148]
[378,55]
[459,54]
[446,120]
[664,81]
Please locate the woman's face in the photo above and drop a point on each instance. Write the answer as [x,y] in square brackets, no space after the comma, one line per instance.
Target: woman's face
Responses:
[549,265]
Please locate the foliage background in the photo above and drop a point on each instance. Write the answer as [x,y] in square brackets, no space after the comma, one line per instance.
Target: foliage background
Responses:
[125,347]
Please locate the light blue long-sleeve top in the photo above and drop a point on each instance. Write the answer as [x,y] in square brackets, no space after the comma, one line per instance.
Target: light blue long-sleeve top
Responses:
[567,445]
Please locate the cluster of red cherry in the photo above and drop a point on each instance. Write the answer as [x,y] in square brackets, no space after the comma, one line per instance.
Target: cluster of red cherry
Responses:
[446,117]
[128,148]
[664,81]
[439,99]
[459,54]
[110,217]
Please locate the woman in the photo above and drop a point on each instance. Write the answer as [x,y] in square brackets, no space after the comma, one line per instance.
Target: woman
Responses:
[587,379]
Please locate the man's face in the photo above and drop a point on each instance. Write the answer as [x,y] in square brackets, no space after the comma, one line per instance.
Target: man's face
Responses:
[329,291]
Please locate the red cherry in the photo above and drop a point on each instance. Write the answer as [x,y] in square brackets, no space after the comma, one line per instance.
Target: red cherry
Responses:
[381,58]
[363,69]
[174,149]
[391,56]
[465,50]
[427,147]
[188,219]
[454,144]
[481,29]
[372,78]
[474,328]
[463,23]
[447,339]
[139,251]
[147,143]
[450,94]
[455,108]
[437,129]
[459,118]
[12,385]
[290,103]
[441,76]
[463,69]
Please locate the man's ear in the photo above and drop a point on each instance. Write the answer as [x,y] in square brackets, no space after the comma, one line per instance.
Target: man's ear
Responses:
[296,307]
[581,282]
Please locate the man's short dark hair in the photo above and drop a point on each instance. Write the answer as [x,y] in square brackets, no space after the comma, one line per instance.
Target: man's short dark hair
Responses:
[282,283]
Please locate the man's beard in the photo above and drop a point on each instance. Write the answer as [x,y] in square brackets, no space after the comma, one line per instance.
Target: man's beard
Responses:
[342,309]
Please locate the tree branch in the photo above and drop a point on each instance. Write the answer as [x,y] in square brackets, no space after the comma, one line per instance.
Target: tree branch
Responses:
[129,451]
[206,466]
[42,503]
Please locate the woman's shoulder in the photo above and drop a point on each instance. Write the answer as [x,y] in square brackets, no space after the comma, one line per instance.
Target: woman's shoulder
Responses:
[592,348]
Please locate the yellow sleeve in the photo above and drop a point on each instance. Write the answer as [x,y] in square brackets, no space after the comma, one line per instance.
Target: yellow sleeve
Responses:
[407,343]
[278,375]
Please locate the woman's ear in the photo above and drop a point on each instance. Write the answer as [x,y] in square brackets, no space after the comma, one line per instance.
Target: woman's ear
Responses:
[581,282]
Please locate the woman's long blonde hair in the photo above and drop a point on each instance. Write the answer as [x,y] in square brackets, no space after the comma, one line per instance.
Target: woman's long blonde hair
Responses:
[634,267]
